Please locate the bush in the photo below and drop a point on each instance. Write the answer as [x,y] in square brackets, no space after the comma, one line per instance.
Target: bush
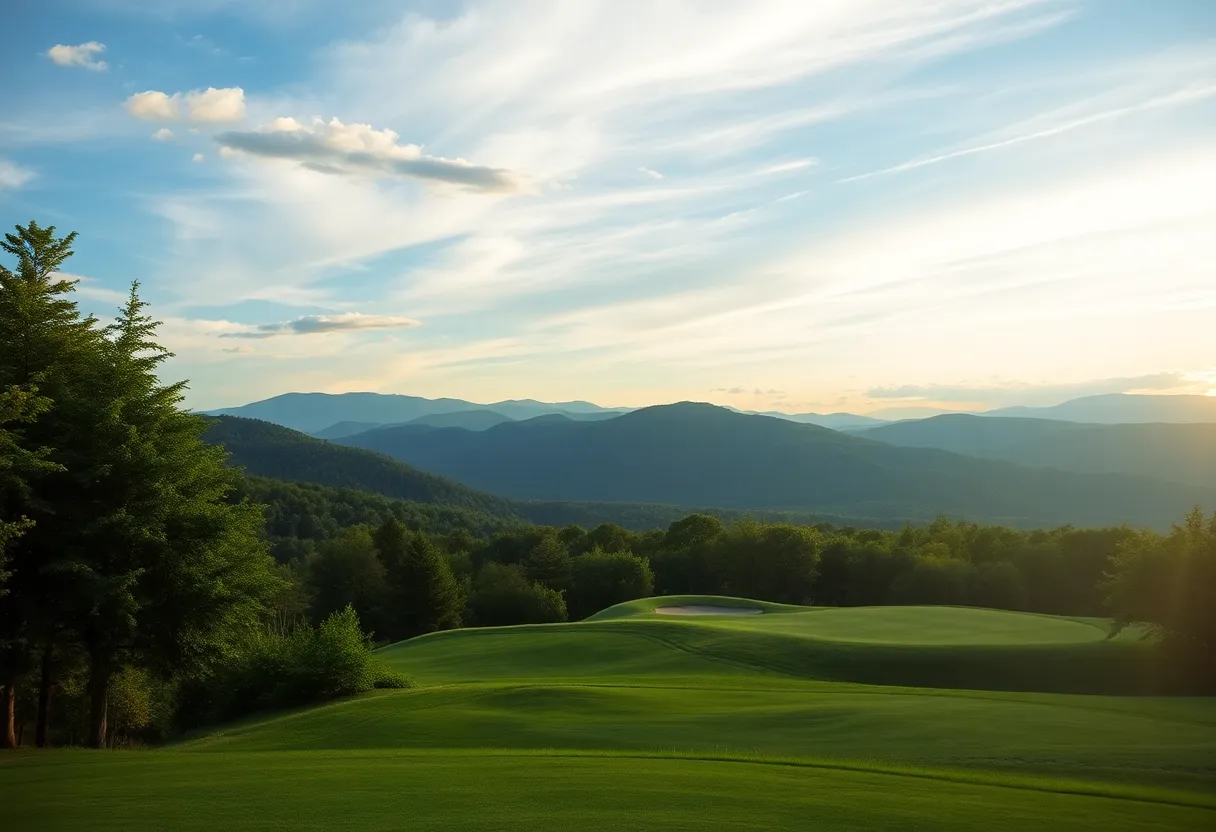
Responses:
[503,595]
[602,579]
[304,666]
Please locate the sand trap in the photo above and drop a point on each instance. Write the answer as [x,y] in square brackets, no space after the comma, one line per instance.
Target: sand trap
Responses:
[698,610]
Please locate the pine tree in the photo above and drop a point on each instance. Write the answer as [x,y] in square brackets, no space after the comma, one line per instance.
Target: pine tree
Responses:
[423,594]
[549,564]
[17,464]
[44,341]
[172,573]
[136,553]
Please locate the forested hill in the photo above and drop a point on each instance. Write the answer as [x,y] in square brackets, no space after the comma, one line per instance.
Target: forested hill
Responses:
[700,455]
[312,488]
[268,450]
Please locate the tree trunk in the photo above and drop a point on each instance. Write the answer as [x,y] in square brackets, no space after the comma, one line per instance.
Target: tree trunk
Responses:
[99,695]
[46,681]
[8,708]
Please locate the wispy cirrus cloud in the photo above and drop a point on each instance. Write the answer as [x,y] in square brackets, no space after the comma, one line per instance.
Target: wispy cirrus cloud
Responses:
[1190,93]
[324,324]
[685,225]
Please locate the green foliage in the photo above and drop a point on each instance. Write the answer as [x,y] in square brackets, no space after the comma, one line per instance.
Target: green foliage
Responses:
[550,564]
[279,670]
[503,595]
[601,579]
[1169,583]
[421,593]
[774,562]
[346,572]
[136,554]
[18,463]
[268,450]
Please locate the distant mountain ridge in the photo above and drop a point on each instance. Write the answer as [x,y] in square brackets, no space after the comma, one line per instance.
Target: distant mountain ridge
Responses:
[334,416]
[700,454]
[1183,453]
[1122,408]
[271,453]
[320,412]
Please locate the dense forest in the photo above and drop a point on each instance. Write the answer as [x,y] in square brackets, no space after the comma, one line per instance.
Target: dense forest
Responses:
[147,586]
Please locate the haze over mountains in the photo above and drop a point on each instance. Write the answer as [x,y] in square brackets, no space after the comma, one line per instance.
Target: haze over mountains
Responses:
[332,416]
[315,412]
[984,467]
[1177,452]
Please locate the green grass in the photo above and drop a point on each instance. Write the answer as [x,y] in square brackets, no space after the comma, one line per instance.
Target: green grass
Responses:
[873,718]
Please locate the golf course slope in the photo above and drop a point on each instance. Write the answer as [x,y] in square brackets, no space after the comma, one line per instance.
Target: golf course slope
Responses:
[780,718]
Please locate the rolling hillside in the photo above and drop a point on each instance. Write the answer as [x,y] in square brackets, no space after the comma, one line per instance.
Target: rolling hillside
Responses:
[701,455]
[268,450]
[277,453]
[1184,453]
[858,718]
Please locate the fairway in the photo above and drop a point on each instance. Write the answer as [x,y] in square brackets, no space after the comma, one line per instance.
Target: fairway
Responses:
[866,718]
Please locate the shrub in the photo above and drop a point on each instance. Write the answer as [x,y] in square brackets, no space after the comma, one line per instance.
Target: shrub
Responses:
[602,579]
[276,670]
[503,595]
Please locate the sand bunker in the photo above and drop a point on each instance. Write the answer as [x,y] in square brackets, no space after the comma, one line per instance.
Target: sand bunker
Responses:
[699,610]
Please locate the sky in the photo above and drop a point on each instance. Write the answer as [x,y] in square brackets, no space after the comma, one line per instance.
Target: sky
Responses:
[875,206]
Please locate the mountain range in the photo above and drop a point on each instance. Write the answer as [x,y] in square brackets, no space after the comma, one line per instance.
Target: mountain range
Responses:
[699,454]
[324,412]
[1122,408]
[1176,452]
[272,454]
[334,416]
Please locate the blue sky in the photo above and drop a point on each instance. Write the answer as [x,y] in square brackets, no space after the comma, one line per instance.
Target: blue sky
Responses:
[856,205]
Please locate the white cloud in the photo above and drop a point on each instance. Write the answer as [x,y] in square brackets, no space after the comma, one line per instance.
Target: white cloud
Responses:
[164,134]
[216,106]
[608,275]
[322,324]
[13,175]
[198,158]
[653,174]
[334,147]
[209,106]
[153,105]
[83,55]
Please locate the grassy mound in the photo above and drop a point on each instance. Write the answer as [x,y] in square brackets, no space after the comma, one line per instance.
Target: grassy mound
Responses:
[944,718]
[936,647]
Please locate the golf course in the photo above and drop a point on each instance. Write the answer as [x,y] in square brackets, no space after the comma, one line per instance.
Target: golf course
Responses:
[710,713]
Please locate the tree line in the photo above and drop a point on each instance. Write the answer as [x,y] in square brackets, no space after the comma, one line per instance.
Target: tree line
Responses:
[146,585]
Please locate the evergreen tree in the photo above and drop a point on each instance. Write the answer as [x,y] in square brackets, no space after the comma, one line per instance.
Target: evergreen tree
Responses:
[549,564]
[17,464]
[137,552]
[166,569]
[44,341]
[423,594]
